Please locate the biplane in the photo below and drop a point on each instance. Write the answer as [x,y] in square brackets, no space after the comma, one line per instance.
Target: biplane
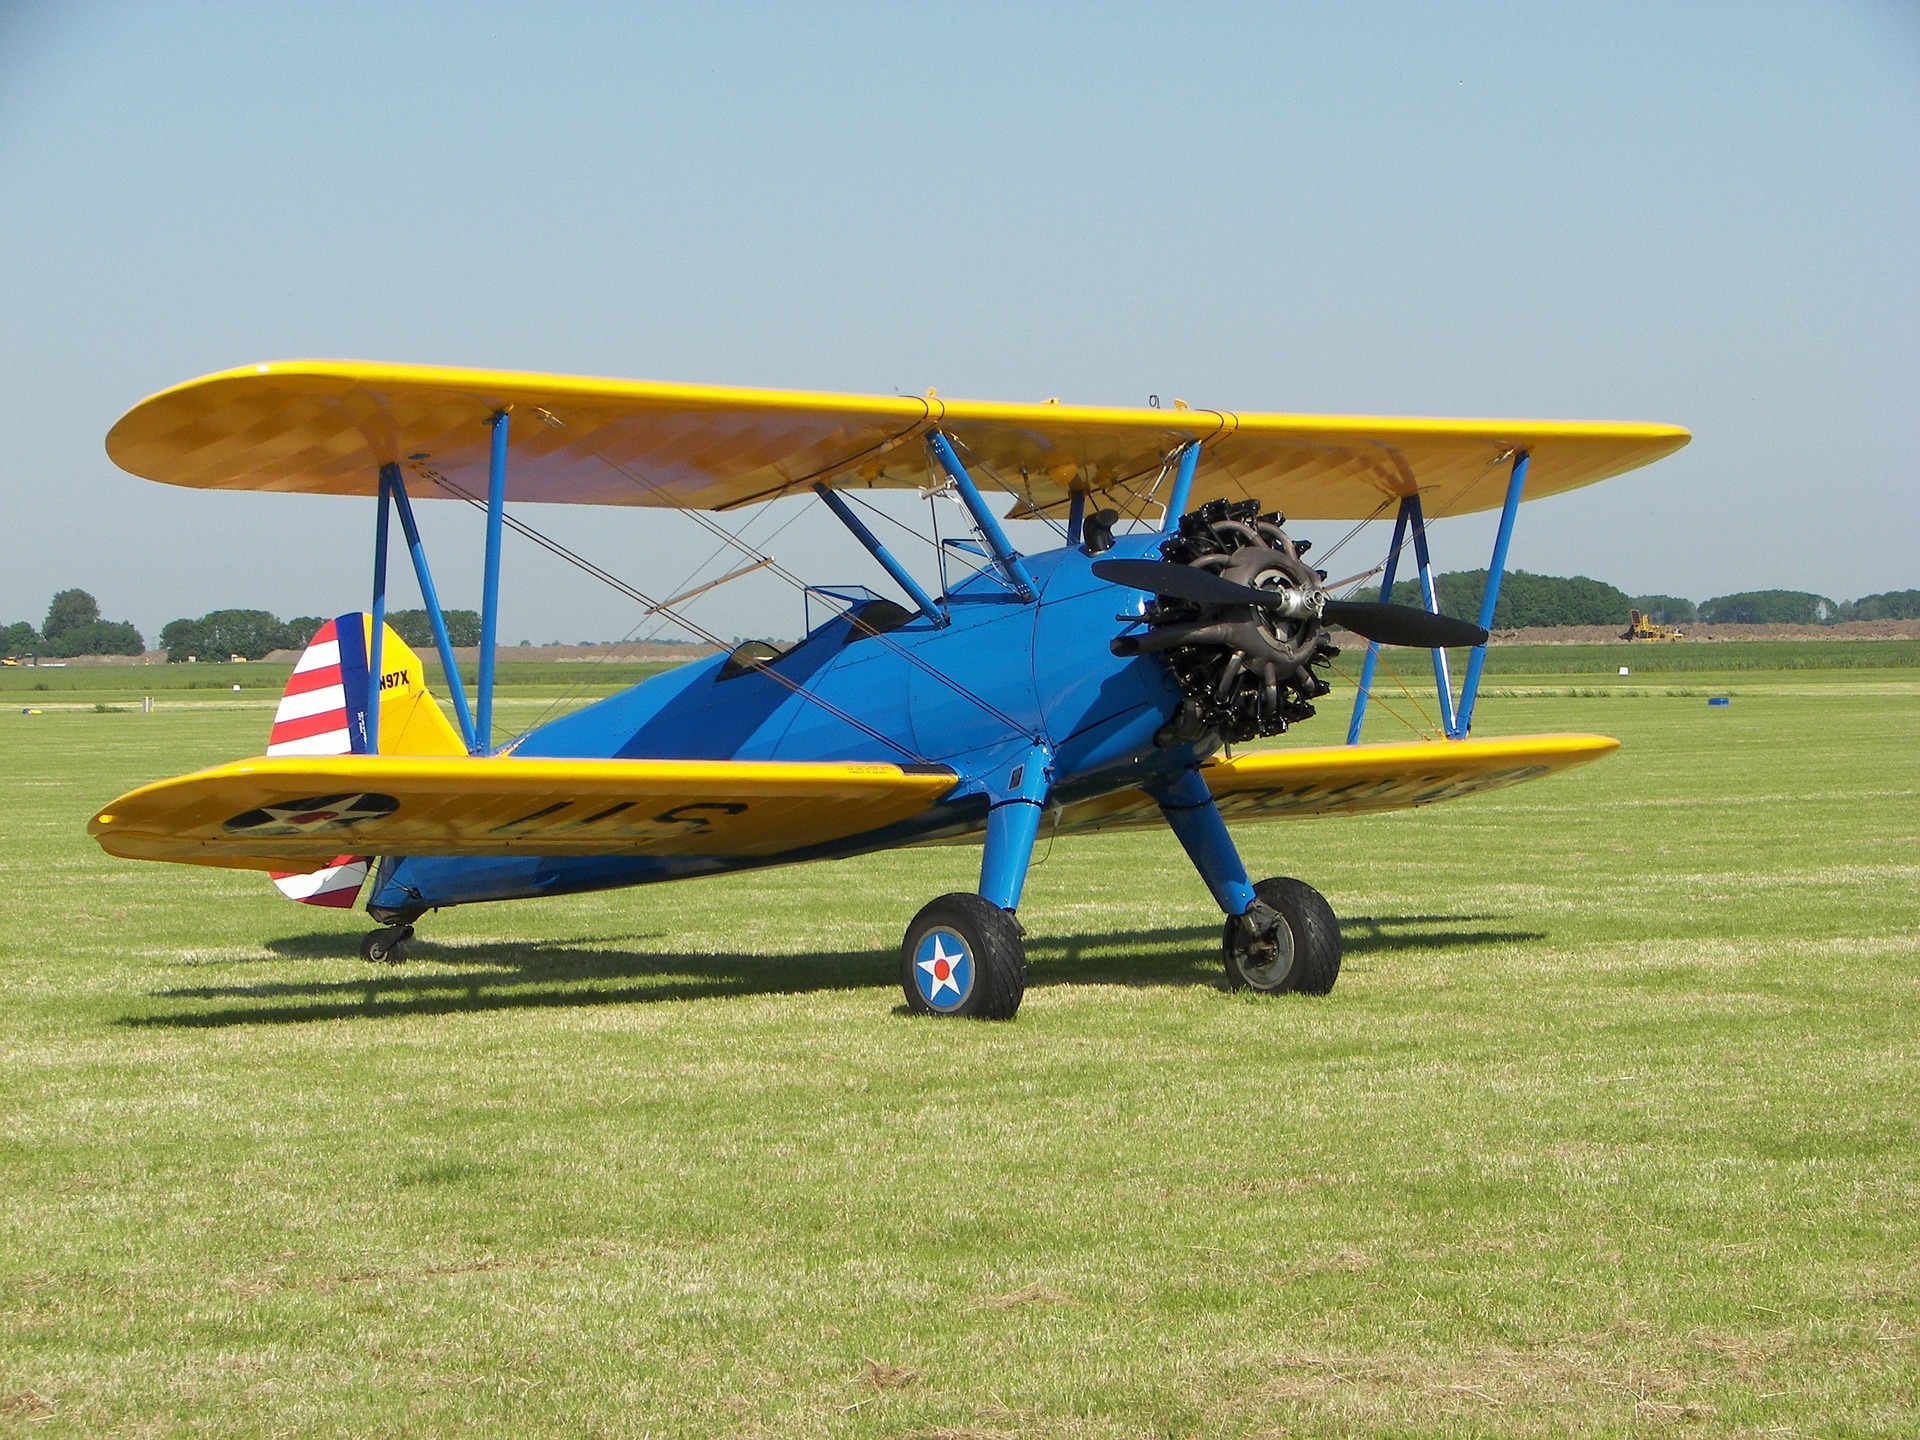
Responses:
[1103,683]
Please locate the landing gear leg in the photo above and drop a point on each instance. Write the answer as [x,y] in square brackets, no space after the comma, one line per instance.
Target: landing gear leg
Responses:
[1281,935]
[386,946]
[966,954]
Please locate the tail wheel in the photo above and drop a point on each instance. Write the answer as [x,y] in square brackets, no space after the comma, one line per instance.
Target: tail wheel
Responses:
[1288,942]
[964,956]
[386,946]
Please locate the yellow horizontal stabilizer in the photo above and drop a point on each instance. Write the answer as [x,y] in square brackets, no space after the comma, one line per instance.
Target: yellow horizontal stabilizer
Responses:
[1351,779]
[287,813]
[326,427]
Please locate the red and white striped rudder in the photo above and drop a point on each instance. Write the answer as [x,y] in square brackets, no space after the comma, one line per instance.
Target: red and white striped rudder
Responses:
[323,712]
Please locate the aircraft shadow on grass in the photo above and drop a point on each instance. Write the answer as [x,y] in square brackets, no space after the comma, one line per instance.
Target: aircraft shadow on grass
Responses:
[492,975]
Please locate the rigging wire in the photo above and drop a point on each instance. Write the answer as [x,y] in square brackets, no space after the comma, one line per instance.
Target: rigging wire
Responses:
[633,636]
[934,544]
[1413,700]
[1137,500]
[872,509]
[1227,465]
[591,666]
[757,564]
[1374,698]
[700,566]
[554,547]
[1024,489]
[780,570]
[1341,543]
[1427,521]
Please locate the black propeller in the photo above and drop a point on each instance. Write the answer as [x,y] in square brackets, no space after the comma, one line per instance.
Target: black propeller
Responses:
[1388,624]
[1183,582]
[1403,625]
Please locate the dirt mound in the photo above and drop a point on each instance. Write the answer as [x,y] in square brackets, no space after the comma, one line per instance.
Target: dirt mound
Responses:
[152,657]
[1598,634]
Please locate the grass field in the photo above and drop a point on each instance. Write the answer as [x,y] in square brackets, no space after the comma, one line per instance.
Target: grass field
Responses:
[1608,1129]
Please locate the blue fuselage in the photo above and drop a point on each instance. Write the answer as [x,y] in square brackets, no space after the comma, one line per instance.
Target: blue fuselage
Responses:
[976,695]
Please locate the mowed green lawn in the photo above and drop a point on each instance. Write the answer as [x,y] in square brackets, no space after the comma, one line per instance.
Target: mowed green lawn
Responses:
[1609,1127]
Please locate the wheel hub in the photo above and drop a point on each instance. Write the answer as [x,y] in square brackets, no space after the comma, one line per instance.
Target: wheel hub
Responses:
[1265,946]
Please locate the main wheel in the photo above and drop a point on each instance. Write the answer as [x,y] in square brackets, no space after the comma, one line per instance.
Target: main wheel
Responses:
[1288,942]
[964,956]
[386,946]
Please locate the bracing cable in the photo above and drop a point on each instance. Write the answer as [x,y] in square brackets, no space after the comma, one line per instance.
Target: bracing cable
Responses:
[728,538]
[1024,490]
[1375,698]
[554,547]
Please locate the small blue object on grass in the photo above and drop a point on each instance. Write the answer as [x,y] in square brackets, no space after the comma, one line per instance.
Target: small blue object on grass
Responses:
[1720,700]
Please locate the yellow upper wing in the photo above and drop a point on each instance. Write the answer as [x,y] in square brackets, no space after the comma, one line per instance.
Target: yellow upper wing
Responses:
[325,427]
[1352,779]
[286,813]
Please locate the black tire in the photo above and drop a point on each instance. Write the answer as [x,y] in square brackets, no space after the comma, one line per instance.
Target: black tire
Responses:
[988,975]
[1311,927]
[387,946]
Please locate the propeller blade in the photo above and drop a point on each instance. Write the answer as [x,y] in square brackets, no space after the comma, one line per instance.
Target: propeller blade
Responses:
[1388,624]
[1403,625]
[1183,582]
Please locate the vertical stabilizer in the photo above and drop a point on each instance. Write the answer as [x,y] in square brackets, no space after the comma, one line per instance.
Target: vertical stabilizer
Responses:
[323,711]
[411,720]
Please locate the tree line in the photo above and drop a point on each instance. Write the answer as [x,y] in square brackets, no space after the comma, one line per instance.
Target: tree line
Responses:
[1779,607]
[253,634]
[73,627]
[1798,607]
[1528,600]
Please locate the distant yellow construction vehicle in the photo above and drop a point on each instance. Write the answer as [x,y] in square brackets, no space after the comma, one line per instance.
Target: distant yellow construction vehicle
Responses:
[1644,628]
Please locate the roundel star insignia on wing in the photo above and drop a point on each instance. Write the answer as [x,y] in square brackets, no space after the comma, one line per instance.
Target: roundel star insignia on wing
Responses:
[943,969]
[313,814]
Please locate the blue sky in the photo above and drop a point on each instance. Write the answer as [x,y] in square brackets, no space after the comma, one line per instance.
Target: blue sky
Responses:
[1702,214]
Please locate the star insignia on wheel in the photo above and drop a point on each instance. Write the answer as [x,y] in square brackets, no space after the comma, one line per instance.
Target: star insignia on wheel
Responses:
[940,969]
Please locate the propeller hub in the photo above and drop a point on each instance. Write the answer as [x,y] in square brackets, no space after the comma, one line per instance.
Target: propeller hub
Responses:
[1292,600]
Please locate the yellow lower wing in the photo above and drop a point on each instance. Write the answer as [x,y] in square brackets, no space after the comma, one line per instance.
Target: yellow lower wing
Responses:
[1351,779]
[287,813]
